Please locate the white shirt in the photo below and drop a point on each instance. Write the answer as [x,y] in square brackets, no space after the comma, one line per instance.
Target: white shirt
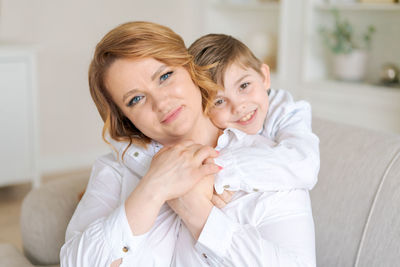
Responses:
[99,233]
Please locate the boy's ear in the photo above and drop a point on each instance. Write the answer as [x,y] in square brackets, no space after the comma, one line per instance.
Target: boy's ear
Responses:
[267,77]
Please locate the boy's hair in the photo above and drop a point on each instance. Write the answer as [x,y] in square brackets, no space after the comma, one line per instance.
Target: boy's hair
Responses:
[136,40]
[220,51]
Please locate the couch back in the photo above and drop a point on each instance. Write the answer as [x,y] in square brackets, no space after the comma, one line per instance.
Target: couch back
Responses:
[356,202]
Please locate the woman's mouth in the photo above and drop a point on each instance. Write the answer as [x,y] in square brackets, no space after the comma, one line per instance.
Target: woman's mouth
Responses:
[248,118]
[172,115]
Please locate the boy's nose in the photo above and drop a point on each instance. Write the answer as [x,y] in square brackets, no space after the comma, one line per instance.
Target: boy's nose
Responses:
[239,108]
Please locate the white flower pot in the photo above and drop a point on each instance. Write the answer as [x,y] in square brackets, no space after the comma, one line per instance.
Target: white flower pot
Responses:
[350,67]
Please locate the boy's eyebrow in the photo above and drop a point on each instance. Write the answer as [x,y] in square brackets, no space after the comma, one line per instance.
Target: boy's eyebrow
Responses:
[240,79]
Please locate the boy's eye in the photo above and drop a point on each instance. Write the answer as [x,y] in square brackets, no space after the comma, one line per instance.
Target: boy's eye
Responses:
[135,100]
[244,85]
[219,102]
[165,76]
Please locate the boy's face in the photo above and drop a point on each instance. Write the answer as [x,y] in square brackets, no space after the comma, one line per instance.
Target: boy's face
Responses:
[244,102]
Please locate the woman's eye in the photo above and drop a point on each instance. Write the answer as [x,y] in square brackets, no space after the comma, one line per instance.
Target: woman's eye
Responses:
[218,102]
[165,76]
[244,85]
[135,100]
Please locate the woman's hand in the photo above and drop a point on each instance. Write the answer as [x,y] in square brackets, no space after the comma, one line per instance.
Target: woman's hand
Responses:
[173,172]
[195,206]
[176,169]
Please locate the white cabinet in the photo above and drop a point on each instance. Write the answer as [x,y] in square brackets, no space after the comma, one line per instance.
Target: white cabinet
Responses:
[303,65]
[18,116]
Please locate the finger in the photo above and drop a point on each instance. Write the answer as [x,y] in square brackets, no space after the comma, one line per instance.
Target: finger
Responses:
[209,169]
[208,161]
[226,196]
[217,201]
[204,152]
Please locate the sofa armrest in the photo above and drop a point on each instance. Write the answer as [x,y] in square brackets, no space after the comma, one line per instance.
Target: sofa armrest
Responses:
[45,214]
[355,201]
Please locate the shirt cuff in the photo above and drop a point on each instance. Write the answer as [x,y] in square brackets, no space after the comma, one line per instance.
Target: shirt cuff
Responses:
[229,177]
[117,230]
[216,236]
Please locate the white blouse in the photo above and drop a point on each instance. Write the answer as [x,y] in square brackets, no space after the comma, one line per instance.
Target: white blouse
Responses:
[258,229]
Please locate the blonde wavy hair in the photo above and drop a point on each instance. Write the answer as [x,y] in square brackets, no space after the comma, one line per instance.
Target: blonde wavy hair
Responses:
[136,40]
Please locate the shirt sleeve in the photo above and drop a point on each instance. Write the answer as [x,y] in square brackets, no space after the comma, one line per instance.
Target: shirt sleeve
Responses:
[99,232]
[285,157]
[283,238]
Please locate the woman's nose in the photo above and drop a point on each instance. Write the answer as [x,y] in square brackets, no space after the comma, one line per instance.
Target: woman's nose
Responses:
[160,101]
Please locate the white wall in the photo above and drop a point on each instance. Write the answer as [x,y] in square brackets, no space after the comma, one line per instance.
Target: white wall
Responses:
[65,34]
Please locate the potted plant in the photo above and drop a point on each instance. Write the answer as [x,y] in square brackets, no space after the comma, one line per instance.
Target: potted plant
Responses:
[350,55]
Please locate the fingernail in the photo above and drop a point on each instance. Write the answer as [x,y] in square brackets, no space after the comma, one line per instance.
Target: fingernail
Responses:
[219,167]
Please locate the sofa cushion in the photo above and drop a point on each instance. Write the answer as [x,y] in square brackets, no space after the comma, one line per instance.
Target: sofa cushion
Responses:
[46,212]
[353,164]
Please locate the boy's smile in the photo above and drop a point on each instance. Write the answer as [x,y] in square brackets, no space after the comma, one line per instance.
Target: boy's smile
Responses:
[244,102]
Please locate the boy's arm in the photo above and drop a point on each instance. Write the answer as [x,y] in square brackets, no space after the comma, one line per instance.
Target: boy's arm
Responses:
[290,161]
[282,236]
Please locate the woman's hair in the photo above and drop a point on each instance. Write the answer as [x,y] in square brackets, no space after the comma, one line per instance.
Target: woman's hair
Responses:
[220,51]
[137,40]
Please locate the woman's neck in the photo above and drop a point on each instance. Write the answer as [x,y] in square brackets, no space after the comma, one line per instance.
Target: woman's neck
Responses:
[205,132]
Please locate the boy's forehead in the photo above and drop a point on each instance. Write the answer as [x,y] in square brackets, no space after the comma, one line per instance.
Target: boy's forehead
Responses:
[238,64]
[235,72]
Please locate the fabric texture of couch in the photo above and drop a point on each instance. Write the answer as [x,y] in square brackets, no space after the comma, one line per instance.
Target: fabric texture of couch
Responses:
[356,203]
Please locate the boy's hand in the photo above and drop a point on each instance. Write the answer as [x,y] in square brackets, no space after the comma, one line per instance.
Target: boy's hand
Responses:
[220,201]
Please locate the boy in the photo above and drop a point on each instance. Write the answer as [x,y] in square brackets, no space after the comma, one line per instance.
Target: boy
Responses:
[279,152]
[267,146]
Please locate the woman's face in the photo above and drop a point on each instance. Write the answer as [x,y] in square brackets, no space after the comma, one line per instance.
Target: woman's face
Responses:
[161,101]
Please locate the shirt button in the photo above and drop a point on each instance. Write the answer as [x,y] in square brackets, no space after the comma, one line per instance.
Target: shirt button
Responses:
[255,189]
[125,249]
[204,255]
[136,154]
[226,186]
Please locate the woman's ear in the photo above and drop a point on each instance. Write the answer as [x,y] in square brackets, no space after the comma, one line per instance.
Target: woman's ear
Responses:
[267,77]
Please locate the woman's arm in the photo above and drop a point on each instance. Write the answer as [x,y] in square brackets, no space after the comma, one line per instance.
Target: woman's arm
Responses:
[102,231]
[173,172]
[98,229]
[195,206]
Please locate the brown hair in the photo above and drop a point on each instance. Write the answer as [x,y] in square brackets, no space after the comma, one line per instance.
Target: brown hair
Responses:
[140,40]
[219,51]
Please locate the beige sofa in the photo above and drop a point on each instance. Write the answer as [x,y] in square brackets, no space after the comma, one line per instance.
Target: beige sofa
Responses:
[356,204]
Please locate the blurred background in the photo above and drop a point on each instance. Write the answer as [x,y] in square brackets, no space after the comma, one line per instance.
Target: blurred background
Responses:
[342,56]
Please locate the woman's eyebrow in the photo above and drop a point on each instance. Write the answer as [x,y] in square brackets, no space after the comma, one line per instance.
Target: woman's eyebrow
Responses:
[128,94]
[155,74]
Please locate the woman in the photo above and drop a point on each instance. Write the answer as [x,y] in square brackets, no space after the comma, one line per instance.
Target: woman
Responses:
[154,102]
